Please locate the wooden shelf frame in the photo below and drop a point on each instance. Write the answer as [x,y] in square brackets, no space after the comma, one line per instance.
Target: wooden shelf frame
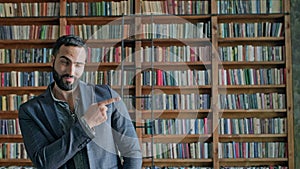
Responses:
[214,89]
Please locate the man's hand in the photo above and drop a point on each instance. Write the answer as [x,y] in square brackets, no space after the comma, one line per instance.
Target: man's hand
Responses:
[96,113]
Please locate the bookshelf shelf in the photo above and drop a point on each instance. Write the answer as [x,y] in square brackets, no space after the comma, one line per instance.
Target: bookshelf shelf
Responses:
[252,137]
[13,114]
[26,20]
[253,17]
[25,67]
[253,161]
[166,18]
[265,113]
[22,90]
[11,138]
[177,162]
[254,64]
[253,40]
[203,52]
[146,90]
[176,41]
[177,65]
[146,114]
[188,138]
[13,162]
[99,20]
[31,43]
[251,88]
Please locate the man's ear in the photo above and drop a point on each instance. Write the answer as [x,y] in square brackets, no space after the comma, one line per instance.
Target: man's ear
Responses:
[52,60]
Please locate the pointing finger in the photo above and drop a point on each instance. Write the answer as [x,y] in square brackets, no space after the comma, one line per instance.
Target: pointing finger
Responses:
[109,101]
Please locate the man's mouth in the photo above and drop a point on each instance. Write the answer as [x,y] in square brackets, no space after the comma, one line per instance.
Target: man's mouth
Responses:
[69,78]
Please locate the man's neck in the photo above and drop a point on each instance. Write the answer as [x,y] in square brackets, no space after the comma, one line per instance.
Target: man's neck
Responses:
[64,95]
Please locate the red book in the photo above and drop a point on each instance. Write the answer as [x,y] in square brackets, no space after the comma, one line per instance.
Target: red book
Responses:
[68,29]
[192,52]
[159,77]
[118,54]
[89,55]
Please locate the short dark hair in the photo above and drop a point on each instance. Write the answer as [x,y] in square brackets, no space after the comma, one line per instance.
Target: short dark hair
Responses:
[68,40]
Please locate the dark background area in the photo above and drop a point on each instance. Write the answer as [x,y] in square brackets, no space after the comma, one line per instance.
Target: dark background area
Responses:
[295,34]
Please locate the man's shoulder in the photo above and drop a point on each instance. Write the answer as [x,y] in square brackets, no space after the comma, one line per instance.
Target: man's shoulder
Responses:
[35,100]
[32,101]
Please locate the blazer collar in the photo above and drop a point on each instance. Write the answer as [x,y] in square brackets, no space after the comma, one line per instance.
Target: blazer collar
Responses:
[48,105]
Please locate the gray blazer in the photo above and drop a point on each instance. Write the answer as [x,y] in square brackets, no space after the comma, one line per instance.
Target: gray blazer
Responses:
[49,147]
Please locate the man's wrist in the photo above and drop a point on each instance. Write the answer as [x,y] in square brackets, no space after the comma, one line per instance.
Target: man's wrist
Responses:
[89,130]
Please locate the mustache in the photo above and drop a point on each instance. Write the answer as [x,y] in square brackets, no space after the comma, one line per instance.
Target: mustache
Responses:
[67,75]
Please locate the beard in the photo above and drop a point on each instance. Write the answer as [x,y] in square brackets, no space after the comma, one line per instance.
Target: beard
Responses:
[60,82]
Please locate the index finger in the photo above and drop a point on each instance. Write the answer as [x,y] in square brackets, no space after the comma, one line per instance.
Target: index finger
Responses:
[109,101]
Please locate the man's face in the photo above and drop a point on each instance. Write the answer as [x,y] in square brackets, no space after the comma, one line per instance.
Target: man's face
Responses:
[68,66]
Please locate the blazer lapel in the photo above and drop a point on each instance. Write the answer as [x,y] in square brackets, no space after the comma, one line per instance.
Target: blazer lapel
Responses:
[49,115]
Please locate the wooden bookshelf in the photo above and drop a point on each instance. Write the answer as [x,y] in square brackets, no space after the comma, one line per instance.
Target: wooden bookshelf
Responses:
[134,37]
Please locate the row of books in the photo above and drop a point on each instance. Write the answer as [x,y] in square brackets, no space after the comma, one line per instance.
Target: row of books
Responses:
[253,126]
[111,77]
[270,76]
[176,102]
[175,7]
[35,9]
[12,102]
[102,8]
[249,7]
[21,79]
[13,151]
[196,150]
[111,8]
[43,55]
[253,150]
[149,31]
[185,53]
[176,126]
[252,101]
[176,78]
[113,30]
[10,127]
[129,101]
[258,29]
[251,53]
[176,30]
[155,54]
[116,30]
[33,55]
[26,32]
[226,126]
[111,54]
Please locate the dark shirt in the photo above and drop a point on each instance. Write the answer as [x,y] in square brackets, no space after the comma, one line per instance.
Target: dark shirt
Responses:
[66,119]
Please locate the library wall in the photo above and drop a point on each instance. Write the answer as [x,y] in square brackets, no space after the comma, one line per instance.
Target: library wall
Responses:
[225,143]
[295,19]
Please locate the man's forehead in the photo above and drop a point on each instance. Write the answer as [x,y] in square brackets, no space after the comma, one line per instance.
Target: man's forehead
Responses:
[72,53]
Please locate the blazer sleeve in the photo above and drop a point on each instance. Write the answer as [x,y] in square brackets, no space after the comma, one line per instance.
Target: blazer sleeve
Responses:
[124,134]
[46,150]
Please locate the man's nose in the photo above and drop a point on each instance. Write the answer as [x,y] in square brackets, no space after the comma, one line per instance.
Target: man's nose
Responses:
[71,69]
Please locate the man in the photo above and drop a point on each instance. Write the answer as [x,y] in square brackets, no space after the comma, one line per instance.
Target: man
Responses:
[74,125]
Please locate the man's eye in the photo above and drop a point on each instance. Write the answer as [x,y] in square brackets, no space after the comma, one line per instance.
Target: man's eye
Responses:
[63,62]
[79,65]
